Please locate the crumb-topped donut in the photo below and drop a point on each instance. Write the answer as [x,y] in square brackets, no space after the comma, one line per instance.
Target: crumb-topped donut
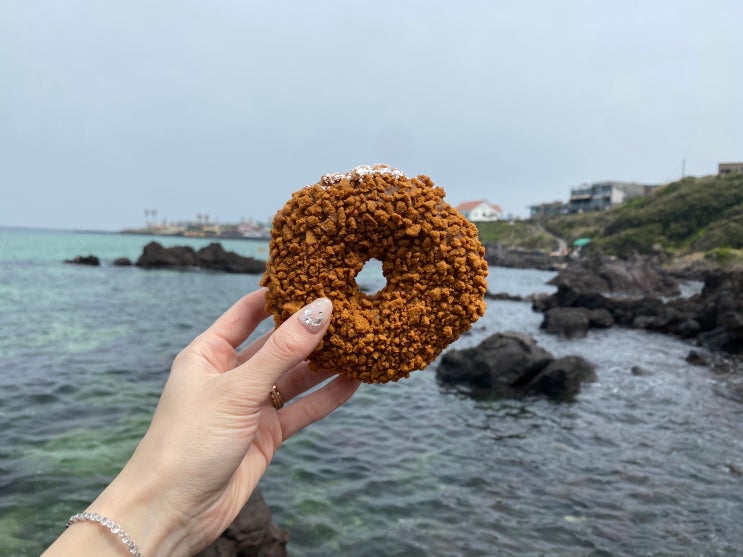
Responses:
[431,258]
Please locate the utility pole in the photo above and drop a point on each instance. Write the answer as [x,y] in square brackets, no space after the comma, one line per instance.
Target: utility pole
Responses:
[683,168]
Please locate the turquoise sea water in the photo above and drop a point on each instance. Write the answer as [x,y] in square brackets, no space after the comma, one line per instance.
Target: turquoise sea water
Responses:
[642,466]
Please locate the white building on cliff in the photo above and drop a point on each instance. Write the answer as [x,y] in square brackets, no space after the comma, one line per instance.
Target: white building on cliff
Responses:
[480,211]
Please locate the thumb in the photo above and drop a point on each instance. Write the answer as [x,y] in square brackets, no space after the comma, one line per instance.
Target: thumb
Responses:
[287,346]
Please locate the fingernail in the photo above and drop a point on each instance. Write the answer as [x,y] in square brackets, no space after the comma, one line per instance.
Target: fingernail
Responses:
[313,316]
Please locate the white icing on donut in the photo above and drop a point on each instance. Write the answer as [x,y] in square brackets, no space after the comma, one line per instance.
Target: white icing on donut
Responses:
[358,173]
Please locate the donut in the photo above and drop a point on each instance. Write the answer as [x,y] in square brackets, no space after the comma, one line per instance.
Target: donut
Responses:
[431,256]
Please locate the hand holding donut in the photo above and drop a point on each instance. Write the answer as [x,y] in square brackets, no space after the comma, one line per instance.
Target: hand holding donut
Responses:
[432,259]
[218,424]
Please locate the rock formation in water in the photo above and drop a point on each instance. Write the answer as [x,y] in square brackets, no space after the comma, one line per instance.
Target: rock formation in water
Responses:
[251,534]
[714,317]
[511,365]
[91,260]
[213,257]
[611,276]
[522,259]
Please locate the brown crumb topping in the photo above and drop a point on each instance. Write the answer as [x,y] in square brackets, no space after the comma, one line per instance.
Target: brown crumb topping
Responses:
[431,257]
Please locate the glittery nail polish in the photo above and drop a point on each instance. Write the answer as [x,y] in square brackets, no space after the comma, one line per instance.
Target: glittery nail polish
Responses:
[313,316]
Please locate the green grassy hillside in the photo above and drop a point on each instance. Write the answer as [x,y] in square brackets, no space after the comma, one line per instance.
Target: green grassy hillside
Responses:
[689,216]
[516,235]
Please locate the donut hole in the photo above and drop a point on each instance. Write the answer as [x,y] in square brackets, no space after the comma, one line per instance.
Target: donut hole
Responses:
[370,280]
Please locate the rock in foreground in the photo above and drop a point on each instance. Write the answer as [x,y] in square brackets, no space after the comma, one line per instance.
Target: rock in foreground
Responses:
[251,534]
[213,257]
[511,365]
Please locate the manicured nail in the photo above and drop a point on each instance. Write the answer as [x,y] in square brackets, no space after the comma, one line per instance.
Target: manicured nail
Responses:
[313,316]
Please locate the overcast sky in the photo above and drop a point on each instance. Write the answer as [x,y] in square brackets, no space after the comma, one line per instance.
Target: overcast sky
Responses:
[226,107]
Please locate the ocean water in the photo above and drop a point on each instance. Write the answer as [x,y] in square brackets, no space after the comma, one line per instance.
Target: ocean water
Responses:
[637,465]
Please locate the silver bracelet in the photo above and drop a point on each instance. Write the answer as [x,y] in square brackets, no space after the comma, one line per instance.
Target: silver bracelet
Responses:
[111,525]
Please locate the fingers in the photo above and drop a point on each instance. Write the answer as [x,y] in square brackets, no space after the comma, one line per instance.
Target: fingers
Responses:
[236,324]
[281,351]
[248,352]
[316,405]
[301,379]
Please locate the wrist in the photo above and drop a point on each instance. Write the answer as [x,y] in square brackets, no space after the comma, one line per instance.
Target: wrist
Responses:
[136,502]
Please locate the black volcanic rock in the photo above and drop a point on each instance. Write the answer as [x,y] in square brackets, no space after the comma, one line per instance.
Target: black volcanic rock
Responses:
[504,296]
[511,365]
[213,257]
[568,322]
[216,258]
[91,260]
[720,317]
[563,377]
[633,277]
[714,317]
[251,534]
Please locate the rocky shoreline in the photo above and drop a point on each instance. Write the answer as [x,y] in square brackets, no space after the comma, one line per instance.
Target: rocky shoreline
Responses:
[600,293]
[212,258]
[592,292]
[524,259]
[713,318]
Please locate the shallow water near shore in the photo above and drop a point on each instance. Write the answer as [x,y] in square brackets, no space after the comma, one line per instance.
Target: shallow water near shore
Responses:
[637,465]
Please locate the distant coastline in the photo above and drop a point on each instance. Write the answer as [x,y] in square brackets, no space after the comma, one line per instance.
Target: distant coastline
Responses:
[243,231]
[261,235]
[225,236]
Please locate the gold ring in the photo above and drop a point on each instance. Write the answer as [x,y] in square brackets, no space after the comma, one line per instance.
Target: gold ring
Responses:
[276,398]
